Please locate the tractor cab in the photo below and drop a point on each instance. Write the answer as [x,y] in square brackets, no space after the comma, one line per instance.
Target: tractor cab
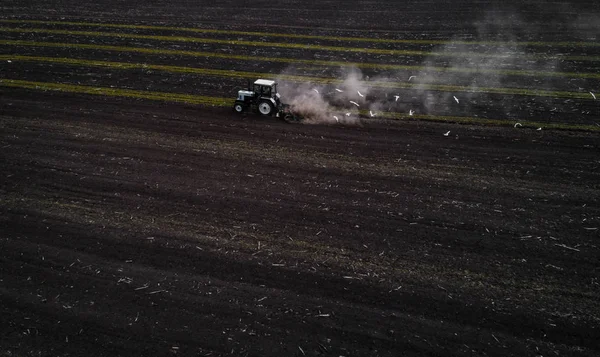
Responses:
[265,88]
[261,96]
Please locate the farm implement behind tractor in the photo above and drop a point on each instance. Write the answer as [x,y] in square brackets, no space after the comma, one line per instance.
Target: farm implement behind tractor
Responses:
[262,97]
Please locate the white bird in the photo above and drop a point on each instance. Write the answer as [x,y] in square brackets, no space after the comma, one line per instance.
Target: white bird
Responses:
[411,112]
[448,133]
[539,129]
[411,77]
[359,93]
[347,114]
[355,103]
[518,124]
[339,90]
[336,119]
[315,89]
[9,61]
[397,97]
[590,92]
[372,114]
[456,99]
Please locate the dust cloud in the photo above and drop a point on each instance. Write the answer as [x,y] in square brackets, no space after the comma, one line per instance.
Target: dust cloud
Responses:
[487,64]
[336,103]
[494,54]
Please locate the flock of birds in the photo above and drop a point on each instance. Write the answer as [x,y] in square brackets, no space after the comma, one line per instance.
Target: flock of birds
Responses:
[410,112]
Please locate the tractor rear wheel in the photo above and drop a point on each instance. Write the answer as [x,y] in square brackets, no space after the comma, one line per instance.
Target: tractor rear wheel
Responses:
[265,107]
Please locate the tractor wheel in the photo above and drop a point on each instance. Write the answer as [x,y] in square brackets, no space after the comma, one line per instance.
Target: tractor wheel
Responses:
[238,108]
[265,108]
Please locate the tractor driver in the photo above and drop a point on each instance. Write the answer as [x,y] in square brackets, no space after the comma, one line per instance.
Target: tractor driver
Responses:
[266,91]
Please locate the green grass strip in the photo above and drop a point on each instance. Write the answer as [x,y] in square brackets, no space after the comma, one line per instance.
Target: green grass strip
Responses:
[294,78]
[227,102]
[297,46]
[116,92]
[312,37]
[377,66]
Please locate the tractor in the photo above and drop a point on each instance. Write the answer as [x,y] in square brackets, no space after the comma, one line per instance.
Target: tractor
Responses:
[262,97]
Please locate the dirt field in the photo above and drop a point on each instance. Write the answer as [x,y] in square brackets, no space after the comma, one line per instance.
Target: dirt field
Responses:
[140,216]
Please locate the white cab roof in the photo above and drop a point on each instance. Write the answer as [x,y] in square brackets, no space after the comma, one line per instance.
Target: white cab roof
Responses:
[264,82]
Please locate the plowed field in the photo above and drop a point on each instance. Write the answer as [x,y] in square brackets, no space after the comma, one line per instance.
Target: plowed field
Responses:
[453,211]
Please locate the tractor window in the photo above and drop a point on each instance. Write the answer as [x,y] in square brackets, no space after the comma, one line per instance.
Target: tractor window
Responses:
[267,91]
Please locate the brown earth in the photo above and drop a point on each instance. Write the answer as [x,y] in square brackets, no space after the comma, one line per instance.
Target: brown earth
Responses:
[132,227]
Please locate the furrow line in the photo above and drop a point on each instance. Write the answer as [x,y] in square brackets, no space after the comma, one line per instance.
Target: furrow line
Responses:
[313,37]
[299,46]
[225,102]
[294,78]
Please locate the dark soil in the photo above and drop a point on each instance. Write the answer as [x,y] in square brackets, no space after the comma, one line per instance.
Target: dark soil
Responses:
[131,227]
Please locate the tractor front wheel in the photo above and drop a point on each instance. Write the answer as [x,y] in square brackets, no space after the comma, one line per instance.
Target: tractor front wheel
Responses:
[238,108]
[265,108]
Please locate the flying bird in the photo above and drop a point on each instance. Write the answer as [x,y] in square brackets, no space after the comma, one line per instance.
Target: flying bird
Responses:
[315,89]
[355,103]
[372,114]
[411,77]
[336,119]
[590,92]
[359,93]
[456,99]
[347,114]
[518,124]
[397,97]
[339,90]
[448,133]
[539,129]
[411,112]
